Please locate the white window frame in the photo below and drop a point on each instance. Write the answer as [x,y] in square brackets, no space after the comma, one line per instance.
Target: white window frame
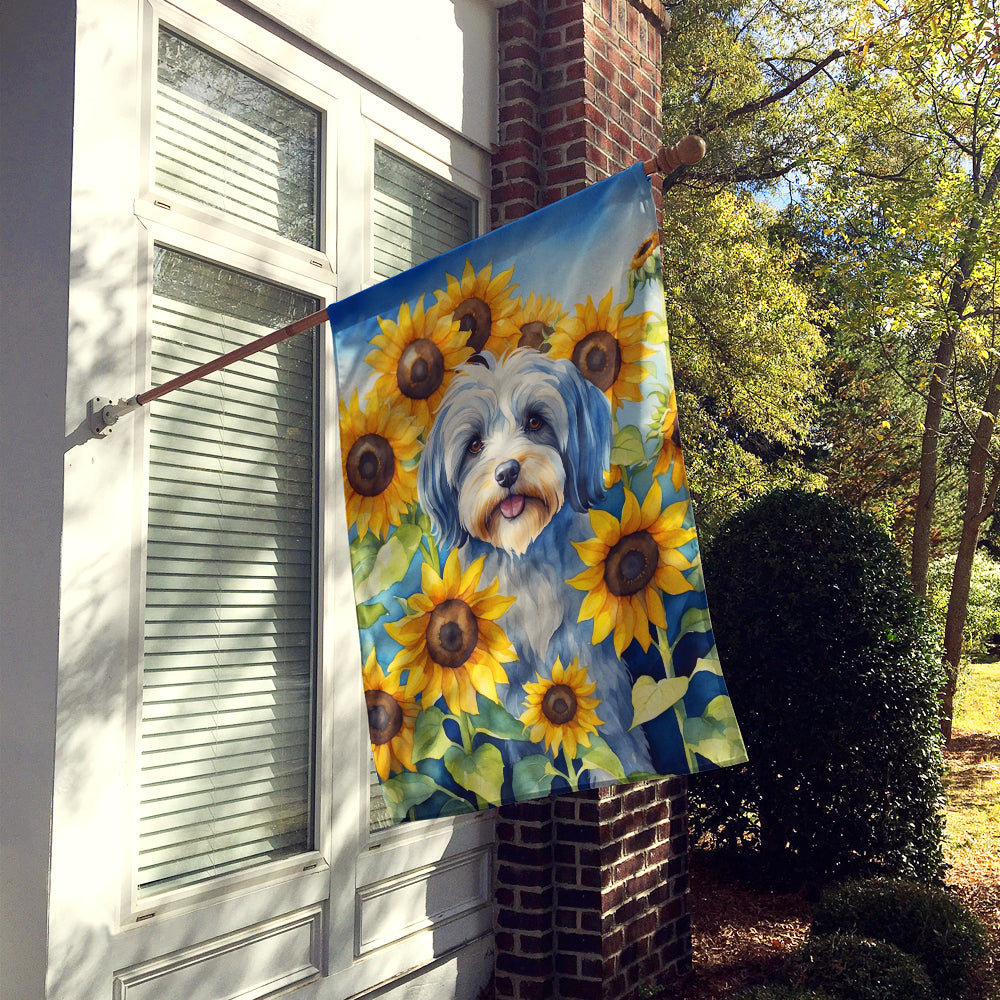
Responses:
[351,871]
[180,224]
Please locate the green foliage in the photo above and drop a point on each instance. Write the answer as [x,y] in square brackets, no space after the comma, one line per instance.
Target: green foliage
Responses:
[745,347]
[857,968]
[983,612]
[833,674]
[744,350]
[926,922]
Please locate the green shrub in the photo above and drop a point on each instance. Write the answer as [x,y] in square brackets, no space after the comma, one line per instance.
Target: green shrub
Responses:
[925,922]
[834,673]
[856,968]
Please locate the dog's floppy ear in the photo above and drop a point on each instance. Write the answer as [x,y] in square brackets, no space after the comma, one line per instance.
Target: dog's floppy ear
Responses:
[588,446]
[437,496]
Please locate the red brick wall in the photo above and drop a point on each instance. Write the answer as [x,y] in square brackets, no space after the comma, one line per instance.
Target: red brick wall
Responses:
[591,889]
[579,96]
[591,893]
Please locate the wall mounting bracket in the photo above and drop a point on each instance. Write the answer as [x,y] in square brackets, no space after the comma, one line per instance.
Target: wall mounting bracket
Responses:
[103,413]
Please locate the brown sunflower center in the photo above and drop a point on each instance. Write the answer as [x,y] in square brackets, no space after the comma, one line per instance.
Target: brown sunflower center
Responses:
[559,704]
[420,369]
[599,359]
[630,565]
[370,465]
[452,633]
[474,318]
[532,334]
[645,248]
[385,717]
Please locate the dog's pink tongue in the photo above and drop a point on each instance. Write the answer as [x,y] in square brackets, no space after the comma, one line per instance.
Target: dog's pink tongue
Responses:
[512,506]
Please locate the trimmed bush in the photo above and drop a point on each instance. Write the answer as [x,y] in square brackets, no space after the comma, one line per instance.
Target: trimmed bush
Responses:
[833,672]
[856,968]
[925,922]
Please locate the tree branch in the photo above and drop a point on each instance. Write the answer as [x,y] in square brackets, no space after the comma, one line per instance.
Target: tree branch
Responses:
[753,107]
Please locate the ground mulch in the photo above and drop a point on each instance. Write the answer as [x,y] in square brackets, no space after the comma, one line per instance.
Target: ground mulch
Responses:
[742,934]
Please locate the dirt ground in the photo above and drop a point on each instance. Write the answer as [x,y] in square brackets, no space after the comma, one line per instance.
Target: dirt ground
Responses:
[741,936]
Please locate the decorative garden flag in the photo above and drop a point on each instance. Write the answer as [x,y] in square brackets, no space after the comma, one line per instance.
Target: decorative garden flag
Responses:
[530,599]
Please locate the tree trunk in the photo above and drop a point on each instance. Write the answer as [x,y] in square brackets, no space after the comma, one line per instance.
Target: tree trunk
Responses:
[920,553]
[958,299]
[979,500]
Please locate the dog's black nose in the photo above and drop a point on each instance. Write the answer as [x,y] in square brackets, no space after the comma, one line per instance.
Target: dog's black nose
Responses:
[507,472]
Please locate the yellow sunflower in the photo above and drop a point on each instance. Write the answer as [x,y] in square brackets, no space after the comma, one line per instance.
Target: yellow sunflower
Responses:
[530,324]
[606,346]
[478,303]
[629,562]
[670,456]
[417,355]
[451,643]
[379,448]
[391,718]
[645,252]
[560,711]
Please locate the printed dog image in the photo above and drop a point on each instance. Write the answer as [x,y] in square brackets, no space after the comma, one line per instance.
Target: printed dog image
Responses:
[514,460]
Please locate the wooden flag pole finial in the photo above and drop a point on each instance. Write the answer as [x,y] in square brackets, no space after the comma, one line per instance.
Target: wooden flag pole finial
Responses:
[668,158]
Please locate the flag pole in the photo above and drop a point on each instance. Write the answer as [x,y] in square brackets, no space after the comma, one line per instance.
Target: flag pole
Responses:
[103,413]
[687,152]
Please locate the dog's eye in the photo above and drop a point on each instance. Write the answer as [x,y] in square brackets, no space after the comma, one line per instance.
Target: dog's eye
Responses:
[534,422]
[475,446]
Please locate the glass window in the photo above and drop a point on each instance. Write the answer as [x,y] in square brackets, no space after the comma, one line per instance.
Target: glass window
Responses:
[416,215]
[228,684]
[228,140]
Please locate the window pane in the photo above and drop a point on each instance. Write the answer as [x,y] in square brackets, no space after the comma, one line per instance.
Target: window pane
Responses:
[417,215]
[229,140]
[228,679]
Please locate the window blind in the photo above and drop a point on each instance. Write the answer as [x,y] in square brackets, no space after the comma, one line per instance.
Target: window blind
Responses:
[228,140]
[416,216]
[228,653]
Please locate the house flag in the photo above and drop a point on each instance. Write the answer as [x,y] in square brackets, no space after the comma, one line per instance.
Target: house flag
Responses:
[530,600]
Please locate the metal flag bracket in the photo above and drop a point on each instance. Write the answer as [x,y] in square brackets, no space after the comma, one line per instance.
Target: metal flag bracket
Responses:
[103,413]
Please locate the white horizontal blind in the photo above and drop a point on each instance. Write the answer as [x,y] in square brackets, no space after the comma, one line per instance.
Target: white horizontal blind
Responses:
[416,215]
[228,140]
[228,660]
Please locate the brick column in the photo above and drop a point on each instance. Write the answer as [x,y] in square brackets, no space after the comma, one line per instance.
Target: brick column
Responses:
[591,892]
[579,96]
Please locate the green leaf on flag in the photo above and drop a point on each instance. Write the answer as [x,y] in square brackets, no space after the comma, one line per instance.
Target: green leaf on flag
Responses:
[495,720]
[715,734]
[626,449]
[429,737]
[708,663]
[368,614]
[456,806]
[600,757]
[651,698]
[404,791]
[657,333]
[363,553]
[695,620]
[390,564]
[480,772]
[532,777]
